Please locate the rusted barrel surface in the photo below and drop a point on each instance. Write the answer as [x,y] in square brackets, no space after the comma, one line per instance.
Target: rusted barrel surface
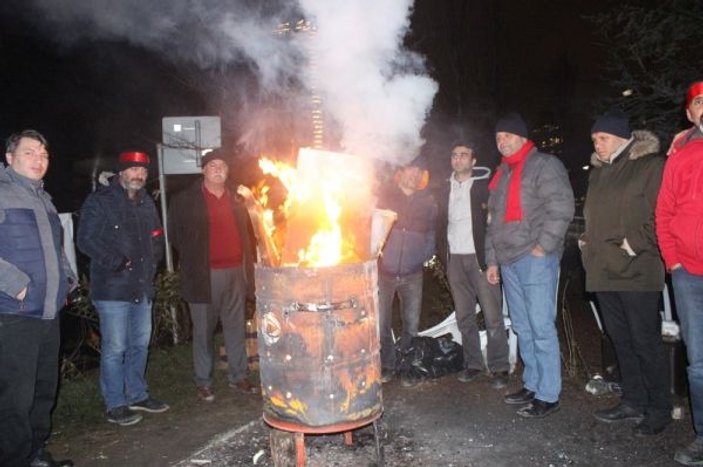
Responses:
[319,350]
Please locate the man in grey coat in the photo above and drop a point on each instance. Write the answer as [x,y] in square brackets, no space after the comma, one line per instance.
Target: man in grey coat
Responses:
[530,207]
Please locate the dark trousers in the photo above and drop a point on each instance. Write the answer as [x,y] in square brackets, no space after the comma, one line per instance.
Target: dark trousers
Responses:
[468,283]
[228,292]
[29,373]
[633,323]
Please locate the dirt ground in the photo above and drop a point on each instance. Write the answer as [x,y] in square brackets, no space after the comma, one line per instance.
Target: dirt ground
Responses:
[441,422]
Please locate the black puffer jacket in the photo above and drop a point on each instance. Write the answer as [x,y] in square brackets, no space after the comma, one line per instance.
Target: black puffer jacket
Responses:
[189,232]
[114,230]
[620,204]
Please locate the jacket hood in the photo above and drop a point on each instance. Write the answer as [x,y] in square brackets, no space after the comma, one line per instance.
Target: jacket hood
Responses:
[644,143]
[479,173]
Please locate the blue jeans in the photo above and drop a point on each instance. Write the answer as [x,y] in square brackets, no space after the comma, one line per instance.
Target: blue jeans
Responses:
[688,292]
[409,289]
[530,286]
[125,329]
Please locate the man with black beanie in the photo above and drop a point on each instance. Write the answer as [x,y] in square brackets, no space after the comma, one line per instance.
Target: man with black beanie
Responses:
[530,207]
[624,268]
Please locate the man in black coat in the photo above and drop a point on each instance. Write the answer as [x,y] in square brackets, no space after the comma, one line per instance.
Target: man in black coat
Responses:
[461,238]
[121,232]
[209,228]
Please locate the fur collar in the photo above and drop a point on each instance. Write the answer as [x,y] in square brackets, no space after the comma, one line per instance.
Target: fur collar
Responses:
[644,143]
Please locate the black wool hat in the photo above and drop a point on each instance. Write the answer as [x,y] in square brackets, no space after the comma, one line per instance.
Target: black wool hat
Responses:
[613,122]
[212,155]
[512,123]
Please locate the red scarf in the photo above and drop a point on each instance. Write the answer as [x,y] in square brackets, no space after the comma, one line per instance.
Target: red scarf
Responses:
[513,209]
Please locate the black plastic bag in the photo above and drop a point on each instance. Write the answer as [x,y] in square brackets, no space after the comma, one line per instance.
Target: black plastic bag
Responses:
[429,357]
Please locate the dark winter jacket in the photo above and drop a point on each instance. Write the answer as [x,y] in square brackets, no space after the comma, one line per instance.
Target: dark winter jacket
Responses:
[411,241]
[124,241]
[31,249]
[189,233]
[547,207]
[479,212]
[620,205]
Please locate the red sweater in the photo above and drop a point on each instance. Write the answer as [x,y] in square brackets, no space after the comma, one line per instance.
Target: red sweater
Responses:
[225,244]
[679,213]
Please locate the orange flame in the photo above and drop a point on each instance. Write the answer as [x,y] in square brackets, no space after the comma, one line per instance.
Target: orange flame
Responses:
[319,208]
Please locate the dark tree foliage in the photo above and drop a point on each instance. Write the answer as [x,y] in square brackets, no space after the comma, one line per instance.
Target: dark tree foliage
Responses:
[654,51]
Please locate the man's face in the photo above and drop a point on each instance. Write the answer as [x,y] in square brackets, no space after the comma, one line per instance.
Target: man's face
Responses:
[30,159]
[695,110]
[215,172]
[606,144]
[410,177]
[509,143]
[133,178]
[462,160]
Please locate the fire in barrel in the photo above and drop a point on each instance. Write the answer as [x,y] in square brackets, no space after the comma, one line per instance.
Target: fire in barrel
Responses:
[316,288]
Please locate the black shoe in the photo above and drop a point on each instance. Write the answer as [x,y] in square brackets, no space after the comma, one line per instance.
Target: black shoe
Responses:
[691,454]
[619,413]
[123,416]
[44,459]
[409,380]
[523,396]
[650,426]
[387,375]
[468,375]
[149,405]
[500,380]
[538,409]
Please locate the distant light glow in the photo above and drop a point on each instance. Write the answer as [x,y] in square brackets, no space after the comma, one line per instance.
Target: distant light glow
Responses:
[627,93]
[586,167]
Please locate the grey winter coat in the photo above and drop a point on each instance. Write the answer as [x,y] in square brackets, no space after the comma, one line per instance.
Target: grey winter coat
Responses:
[620,204]
[547,207]
[31,249]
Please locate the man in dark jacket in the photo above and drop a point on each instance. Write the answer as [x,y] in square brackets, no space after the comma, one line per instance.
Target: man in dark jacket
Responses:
[34,280]
[623,266]
[210,230]
[410,243]
[121,232]
[529,208]
[461,229]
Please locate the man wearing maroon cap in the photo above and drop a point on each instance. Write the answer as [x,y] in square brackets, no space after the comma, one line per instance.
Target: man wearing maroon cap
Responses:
[120,231]
[679,221]
[209,229]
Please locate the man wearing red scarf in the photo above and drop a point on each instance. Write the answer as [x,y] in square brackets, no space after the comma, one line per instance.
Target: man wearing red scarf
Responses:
[530,206]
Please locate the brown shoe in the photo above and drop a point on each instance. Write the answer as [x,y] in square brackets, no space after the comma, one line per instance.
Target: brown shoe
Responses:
[245,386]
[205,394]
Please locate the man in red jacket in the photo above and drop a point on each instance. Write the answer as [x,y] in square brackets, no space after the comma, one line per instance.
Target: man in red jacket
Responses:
[679,221]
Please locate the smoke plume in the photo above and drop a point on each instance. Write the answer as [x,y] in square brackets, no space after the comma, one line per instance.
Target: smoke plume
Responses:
[376,92]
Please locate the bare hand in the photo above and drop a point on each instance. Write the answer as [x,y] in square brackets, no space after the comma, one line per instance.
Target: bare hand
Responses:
[493,275]
[537,251]
[676,266]
[22,294]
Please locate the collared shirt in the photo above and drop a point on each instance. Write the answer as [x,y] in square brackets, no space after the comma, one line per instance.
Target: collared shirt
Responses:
[460,229]
[619,151]
[225,243]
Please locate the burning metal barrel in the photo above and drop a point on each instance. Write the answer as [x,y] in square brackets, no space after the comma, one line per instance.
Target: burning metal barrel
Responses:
[318,345]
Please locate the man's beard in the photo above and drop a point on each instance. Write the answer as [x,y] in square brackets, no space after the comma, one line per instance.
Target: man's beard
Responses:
[135,184]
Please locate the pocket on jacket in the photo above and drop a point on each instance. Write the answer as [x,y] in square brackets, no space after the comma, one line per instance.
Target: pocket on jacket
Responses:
[618,264]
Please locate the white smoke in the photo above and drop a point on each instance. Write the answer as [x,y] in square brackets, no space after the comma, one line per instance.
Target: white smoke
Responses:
[372,88]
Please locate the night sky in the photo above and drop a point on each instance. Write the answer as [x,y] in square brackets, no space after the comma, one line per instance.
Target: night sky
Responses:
[93,98]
